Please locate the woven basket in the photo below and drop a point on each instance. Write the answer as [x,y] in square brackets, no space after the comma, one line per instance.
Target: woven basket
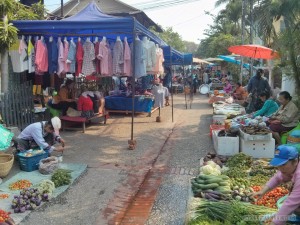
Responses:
[6,163]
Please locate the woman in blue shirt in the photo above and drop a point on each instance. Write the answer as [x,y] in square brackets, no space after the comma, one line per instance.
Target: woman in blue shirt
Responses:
[269,107]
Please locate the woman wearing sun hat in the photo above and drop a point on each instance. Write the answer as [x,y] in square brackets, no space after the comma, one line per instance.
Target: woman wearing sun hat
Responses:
[286,160]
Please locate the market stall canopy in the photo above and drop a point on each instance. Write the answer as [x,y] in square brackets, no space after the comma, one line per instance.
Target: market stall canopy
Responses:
[199,61]
[187,59]
[90,21]
[232,59]
[254,51]
[213,59]
[172,56]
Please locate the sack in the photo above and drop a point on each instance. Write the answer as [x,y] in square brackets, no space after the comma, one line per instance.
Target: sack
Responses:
[5,138]
[48,165]
[73,112]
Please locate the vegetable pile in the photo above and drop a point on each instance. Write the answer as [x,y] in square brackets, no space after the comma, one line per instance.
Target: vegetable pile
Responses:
[240,160]
[4,196]
[28,199]
[270,199]
[19,185]
[232,212]
[211,168]
[46,187]
[211,187]
[4,216]
[61,177]
[242,194]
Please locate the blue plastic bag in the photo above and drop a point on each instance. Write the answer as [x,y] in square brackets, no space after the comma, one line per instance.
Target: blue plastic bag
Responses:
[5,138]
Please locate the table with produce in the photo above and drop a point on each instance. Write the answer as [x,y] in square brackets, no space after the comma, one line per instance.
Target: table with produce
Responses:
[222,191]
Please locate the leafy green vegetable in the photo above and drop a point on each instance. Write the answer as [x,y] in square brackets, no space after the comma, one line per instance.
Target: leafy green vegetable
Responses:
[61,177]
[240,160]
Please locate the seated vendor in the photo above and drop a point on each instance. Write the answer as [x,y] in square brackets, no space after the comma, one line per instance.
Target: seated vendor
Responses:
[285,118]
[65,97]
[85,104]
[239,93]
[101,100]
[286,161]
[41,134]
[228,87]
[269,107]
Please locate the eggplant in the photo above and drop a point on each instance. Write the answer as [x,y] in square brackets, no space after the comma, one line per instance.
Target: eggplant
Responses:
[17,210]
[214,195]
[210,198]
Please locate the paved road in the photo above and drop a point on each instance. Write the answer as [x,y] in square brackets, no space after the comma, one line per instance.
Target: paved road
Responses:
[119,182]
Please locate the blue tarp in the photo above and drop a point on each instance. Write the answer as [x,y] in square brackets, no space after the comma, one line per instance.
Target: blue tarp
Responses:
[172,57]
[91,21]
[232,59]
[187,59]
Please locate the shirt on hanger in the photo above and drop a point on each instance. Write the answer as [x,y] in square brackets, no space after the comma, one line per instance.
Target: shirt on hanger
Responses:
[71,59]
[158,67]
[103,58]
[110,59]
[31,58]
[79,58]
[52,57]
[65,56]
[127,60]
[140,59]
[41,58]
[61,67]
[18,54]
[97,61]
[118,58]
[88,66]
[150,55]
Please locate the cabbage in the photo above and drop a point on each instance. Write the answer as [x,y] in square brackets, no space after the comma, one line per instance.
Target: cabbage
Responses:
[211,163]
[209,170]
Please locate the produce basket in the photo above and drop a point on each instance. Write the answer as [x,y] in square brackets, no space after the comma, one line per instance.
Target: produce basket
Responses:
[6,163]
[29,164]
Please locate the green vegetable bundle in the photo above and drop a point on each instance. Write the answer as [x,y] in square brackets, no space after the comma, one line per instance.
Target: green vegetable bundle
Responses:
[240,181]
[233,212]
[258,180]
[236,172]
[61,177]
[240,160]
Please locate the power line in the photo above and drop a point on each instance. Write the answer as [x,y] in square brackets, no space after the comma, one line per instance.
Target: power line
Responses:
[154,4]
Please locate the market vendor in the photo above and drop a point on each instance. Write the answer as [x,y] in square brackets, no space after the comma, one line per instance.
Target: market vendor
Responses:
[269,107]
[287,162]
[228,87]
[41,134]
[65,97]
[239,93]
[285,118]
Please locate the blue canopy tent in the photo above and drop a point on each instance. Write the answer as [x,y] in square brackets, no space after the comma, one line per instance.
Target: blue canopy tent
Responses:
[91,22]
[232,59]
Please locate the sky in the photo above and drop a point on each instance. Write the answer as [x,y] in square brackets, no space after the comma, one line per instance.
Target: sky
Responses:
[188,19]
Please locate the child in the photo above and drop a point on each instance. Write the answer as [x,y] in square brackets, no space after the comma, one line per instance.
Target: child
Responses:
[85,104]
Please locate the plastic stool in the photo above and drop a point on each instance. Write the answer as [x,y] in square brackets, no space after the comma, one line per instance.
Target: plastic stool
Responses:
[54,112]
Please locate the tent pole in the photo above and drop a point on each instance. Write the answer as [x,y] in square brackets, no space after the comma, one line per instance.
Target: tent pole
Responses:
[184,86]
[172,84]
[62,8]
[132,142]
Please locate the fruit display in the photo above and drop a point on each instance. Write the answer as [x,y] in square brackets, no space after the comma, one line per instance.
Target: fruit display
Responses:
[4,216]
[19,185]
[28,199]
[270,199]
[212,187]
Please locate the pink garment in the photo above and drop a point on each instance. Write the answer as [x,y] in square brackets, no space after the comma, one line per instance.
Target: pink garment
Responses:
[103,58]
[158,67]
[110,61]
[118,58]
[41,59]
[293,201]
[65,57]
[97,61]
[127,60]
[228,88]
[60,61]
[79,58]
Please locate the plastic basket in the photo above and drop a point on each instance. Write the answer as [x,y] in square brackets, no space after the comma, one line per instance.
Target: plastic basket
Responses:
[29,164]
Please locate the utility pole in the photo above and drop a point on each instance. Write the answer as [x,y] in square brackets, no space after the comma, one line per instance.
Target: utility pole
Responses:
[251,33]
[243,38]
[62,8]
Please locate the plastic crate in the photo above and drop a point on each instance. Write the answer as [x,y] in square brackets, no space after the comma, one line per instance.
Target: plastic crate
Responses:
[258,149]
[29,164]
[225,145]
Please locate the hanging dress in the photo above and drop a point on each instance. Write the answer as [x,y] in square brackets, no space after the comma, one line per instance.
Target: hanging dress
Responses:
[71,59]
[88,66]
[118,58]
[127,60]
[60,60]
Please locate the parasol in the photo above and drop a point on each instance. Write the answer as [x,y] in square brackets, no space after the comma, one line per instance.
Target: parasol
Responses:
[254,51]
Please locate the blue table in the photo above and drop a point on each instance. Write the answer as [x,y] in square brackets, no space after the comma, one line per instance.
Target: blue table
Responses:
[142,104]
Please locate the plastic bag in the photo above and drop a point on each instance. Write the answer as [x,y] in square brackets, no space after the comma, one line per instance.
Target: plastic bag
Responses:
[48,165]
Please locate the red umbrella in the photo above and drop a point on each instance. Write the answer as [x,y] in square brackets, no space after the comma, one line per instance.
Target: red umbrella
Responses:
[254,51]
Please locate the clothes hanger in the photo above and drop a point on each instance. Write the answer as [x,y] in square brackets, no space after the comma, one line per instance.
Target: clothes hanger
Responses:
[96,40]
[23,37]
[29,38]
[118,38]
[125,39]
[104,39]
[65,39]
[50,39]
[137,38]
[79,39]
[88,39]
[42,38]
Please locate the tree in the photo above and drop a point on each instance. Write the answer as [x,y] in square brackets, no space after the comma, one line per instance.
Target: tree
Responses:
[172,38]
[13,10]
[190,47]
[286,41]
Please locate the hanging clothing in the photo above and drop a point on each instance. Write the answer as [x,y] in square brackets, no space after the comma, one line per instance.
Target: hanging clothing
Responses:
[88,67]
[31,57]
[19,56]
[150,55]
[60,61]
[127,60]
[65,56]
[71,59]
[118,58]
[41,57]
[159,93]
[97,60]
[110,60]
[79,58]
[158,67]
[103,58]
[140,59]
[52,56]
